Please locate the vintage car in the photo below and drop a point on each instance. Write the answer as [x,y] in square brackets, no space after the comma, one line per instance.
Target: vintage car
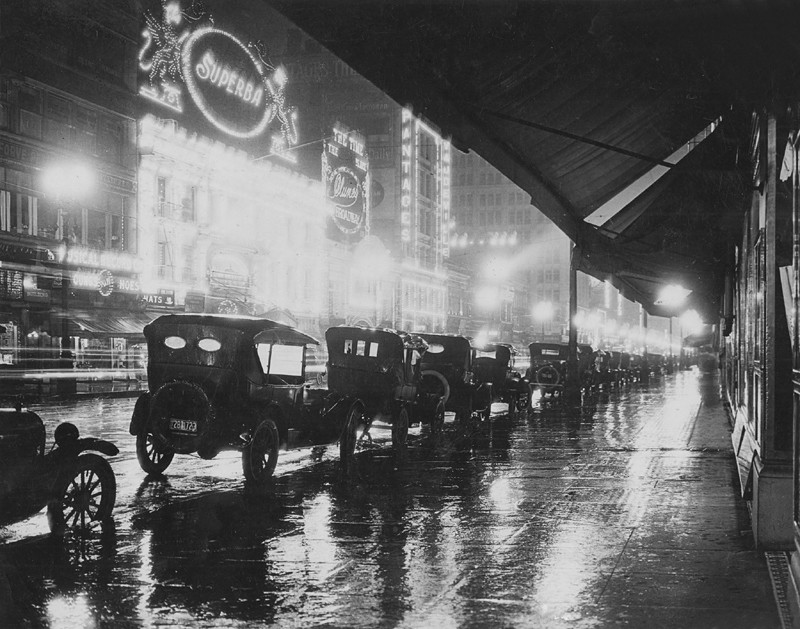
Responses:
[548,368]
[73,479]
[494,365]
[219,382]
[449,366]
[376,373]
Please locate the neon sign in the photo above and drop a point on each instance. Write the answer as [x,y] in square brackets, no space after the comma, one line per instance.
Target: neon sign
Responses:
[345,168]
[445,183]
[231,83]
[406,156]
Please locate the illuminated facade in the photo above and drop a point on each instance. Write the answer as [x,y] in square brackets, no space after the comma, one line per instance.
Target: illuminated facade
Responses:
[222,233]
[398,277]
[223,230]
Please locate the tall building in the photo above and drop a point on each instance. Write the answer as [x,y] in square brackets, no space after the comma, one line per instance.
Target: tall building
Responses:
[227,224]
[400,270]
[68,233]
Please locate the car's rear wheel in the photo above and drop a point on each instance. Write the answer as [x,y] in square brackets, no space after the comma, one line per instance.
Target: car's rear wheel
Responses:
[347,442]
[260,455]
[400,422]
[437,421]
[84,494]
[153,457]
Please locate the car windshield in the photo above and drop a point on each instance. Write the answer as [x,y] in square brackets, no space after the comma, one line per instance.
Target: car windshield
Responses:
[281,360]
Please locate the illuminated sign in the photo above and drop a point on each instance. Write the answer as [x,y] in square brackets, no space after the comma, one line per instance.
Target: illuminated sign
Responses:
[345,169]
[102,258]
[445,183]
[103,281]
[232,84]
[406,158]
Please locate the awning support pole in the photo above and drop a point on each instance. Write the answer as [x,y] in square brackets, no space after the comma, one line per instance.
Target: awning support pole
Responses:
[572,387]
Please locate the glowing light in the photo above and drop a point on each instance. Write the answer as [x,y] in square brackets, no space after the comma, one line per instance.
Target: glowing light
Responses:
[672,296]
[543,311]
[68,181]
[233,83]
[691,322]
[406,158]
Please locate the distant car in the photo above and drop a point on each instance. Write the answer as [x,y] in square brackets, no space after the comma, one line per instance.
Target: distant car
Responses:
[376,372]
[548,366]
[449,366]
[494,365]
[219,382]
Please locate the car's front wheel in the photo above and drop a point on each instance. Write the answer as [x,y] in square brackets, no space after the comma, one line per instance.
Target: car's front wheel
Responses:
[84,494]
[260,455]
[153,457]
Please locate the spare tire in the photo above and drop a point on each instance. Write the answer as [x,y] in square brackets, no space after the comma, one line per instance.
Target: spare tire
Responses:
[442,386]
[181,416]
[547,375]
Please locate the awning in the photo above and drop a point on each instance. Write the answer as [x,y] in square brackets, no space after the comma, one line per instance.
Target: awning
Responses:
[113,323]
[591,106]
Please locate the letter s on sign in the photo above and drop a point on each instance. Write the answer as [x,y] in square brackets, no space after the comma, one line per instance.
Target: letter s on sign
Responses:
[203,70]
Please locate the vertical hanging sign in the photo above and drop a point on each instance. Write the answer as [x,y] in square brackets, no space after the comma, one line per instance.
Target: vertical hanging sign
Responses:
[345,171]
[406,174]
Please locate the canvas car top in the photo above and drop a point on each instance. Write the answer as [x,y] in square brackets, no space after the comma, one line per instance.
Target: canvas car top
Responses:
[261,330]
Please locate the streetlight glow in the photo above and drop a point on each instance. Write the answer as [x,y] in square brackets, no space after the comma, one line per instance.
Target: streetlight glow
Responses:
[68,181]
[672,296]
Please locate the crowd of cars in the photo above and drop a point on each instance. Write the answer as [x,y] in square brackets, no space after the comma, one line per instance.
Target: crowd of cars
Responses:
[219,382]
[599,370]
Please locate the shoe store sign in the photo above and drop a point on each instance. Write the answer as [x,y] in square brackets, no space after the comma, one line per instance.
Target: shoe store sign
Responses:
[345,170]
[186,58]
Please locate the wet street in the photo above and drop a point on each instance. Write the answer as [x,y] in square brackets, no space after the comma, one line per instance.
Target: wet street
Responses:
[624,512]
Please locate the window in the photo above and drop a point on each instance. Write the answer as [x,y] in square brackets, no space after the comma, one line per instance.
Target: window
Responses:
[281,360]
[30,112]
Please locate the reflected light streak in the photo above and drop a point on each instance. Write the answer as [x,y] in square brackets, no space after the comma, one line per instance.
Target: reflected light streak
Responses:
[65,612]
[319,541]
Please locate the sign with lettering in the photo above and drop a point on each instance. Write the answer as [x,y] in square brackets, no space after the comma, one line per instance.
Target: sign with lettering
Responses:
[345,169]
[161,299]
[186,58]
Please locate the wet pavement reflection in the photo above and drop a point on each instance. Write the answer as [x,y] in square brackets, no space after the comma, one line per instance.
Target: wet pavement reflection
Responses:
[621,512]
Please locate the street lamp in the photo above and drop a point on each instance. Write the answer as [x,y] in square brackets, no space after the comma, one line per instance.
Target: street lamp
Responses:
[66,183]
[543,312]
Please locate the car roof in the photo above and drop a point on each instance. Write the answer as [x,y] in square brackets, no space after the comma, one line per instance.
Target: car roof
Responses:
[407,339]
[262,330]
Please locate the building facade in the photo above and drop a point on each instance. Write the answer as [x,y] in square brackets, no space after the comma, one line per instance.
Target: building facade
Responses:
[68,232]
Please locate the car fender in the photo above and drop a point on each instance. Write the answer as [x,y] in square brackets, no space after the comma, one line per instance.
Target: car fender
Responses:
[141,411]
[97,445]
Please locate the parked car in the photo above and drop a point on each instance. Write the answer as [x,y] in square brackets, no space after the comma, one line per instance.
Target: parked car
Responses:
[220,382]
[548,368]
[448,366]
[73,479]
[494,365]
[377,372]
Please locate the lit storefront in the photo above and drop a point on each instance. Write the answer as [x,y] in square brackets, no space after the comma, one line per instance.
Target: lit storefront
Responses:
[223,230]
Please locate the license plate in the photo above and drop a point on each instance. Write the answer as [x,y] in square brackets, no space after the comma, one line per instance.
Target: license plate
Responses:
[183,425]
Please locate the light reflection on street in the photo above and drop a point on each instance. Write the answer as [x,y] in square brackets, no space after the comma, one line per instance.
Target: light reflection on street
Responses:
[525,524]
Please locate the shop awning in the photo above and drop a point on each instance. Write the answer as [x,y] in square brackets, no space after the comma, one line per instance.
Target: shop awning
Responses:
[110,323]
[595,108]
